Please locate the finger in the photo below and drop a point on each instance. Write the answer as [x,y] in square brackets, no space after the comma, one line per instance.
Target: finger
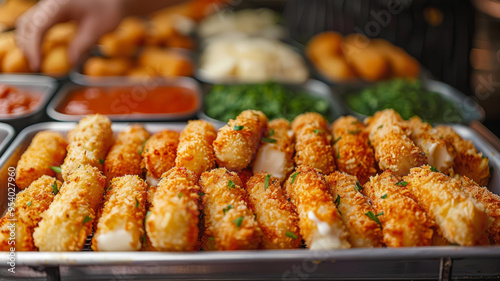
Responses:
[88,34]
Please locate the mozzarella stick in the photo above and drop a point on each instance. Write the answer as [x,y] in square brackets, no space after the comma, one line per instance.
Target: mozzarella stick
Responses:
[238,141]
[391,142]
[195,151]
[490,201]
[46,149]
[404,223]
[89,142]
[158,155]
[439,154]
[69,219]
[354,154]
[275,155]
[468,161]
[275,215]
[121,221]
[320,223]
[229,222]
[173,222]
[313,142]
[25,215]
[353,207]
[124,157]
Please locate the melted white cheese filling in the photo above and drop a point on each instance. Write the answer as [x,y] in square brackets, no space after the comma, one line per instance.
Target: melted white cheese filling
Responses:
[270,160]
[115,240]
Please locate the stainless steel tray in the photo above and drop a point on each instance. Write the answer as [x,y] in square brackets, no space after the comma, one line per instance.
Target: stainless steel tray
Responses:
[6,135]
[355,264]
[147,84]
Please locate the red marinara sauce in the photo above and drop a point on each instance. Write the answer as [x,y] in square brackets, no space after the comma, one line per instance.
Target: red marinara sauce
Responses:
[14,101]
[130,100]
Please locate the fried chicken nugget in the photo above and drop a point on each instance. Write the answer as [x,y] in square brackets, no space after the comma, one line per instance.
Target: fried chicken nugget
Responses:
[401,63]
[390,139]
[69,219]
[89,143]
[195,151]
[353,206]
[275,154]
[369,62]
[237,142]
[312,145]
[124,157]
[404,223]
[354,154]
[45,150]
[459,218]
[158,155]
[173,222]
[229,222]
[468,161]
[29,206]
[121,220]
[275,215]
[320,223]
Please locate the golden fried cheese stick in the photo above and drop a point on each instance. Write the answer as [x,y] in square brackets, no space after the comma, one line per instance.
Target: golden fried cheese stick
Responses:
[490,201]
[468,161]
[275,155]
[29,205]
[124,157]
[275,215]
[353,207]
[46,149]
[173,222]
[69,219]
[195,151]
[354,154]
[121,221]
[391,142]
[320,223]
[312,144]
[439,154]
[238,141]
[158,155]
[229,222]
[459,218]
[89,142]
[404,223]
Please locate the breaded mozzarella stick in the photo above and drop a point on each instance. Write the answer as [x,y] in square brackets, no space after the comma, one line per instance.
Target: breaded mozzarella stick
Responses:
[46,149]
[237,142]
[353,207]
[69,219]
[158,155]
[319,220]
[229,222]
[121,222]
[275,215]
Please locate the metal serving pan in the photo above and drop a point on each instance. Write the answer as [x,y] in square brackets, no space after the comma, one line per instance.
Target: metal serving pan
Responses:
[141,85]
[40,85]
[6,135]
[448,262]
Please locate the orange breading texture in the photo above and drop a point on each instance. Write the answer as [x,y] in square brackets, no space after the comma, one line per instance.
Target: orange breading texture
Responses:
[354,154]
[69,219]
[46,149]
[275,215]
[320,223]
[195,151]
[353,206]
[158,155]
[124,208]
[124,156]
[237,142]
[313,142]
[89,143]
[404,223]
[389,137]
[235,228]
[29,205]
[173,222]
[468,161]
[490,201]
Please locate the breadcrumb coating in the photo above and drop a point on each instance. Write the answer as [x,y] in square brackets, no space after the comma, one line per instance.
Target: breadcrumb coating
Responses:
[158,155]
